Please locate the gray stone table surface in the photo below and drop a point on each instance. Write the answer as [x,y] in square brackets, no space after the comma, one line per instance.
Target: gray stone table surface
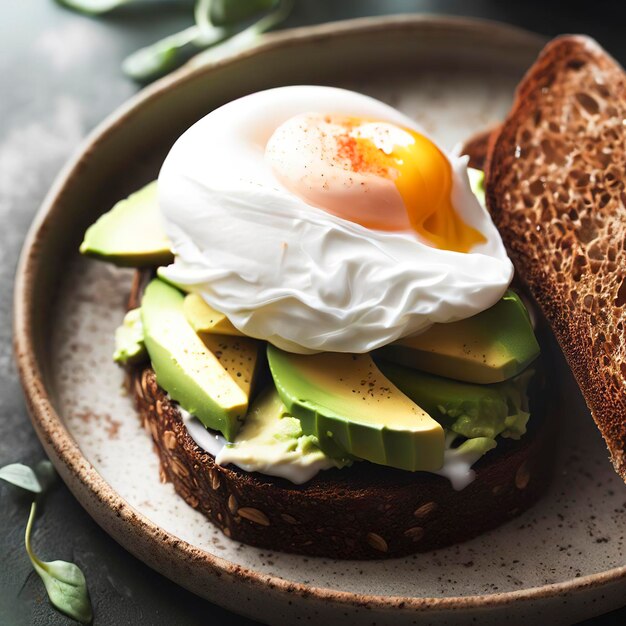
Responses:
[59,76]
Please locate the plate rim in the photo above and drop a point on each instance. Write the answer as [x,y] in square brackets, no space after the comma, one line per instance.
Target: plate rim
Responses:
[49,426]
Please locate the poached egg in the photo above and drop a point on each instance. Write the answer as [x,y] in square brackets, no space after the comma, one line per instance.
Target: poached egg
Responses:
[320,219]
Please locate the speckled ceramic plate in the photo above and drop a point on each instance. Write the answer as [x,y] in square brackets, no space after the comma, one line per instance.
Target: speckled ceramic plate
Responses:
[560,562]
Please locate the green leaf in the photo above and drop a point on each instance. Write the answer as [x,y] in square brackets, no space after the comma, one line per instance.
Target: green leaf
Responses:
[167,54]
[248,36]
[21,476]
[65,582]
[45,473]
[93,7]
[227,12]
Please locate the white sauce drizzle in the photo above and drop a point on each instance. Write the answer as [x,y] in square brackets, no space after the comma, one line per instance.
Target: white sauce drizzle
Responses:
[208,440]
[457,465]
[295,467]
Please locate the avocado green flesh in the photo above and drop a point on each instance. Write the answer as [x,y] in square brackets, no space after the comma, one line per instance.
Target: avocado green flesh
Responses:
[237,355]
[490,347]
[271,438]
[130,234]
[352,409]
[129,344]
[189,372]
[205,319]
[463,408]
[477,183]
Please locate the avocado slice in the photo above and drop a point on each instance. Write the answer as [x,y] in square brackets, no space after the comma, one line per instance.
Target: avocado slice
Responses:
[205,319]
[130,234]
[477,183]
[239,356]
[129,344]
[211,380]
[272,442]
[347,403]
[490,347]
[464,408]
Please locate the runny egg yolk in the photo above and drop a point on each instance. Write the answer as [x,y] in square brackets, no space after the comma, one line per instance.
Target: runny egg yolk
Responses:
[377,174]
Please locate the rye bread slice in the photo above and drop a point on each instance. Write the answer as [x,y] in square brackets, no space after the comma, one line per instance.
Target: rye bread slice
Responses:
[556,178]
[366,511]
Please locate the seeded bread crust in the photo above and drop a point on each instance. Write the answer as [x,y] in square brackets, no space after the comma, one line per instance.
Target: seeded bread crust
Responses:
[366,511]
[557,193]
[362,512]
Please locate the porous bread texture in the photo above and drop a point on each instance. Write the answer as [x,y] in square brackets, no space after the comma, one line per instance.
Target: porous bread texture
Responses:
[556,175]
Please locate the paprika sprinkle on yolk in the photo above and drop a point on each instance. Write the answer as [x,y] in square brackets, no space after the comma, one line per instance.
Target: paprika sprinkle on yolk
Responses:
[377,174]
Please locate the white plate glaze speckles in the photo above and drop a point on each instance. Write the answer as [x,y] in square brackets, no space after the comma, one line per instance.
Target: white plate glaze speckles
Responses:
[561,560]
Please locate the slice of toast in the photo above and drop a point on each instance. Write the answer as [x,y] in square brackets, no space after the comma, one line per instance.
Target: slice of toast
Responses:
[556,189]
[365,511]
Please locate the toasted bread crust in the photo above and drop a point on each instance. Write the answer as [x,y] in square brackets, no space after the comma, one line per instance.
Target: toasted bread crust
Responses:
[556,191]
[362,512]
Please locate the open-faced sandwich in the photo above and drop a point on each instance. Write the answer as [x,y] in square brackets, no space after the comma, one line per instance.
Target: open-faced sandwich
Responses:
[322,335]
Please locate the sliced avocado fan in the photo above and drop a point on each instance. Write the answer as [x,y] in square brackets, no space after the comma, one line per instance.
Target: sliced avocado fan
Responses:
[490,347]
[205,319]
[130,234]
[212,376]
[347,403]
[466,409]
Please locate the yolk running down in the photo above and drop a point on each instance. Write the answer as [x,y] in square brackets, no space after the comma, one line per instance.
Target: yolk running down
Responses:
[376,174]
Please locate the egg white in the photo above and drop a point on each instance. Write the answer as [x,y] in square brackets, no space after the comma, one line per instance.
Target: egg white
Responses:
[293,274]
